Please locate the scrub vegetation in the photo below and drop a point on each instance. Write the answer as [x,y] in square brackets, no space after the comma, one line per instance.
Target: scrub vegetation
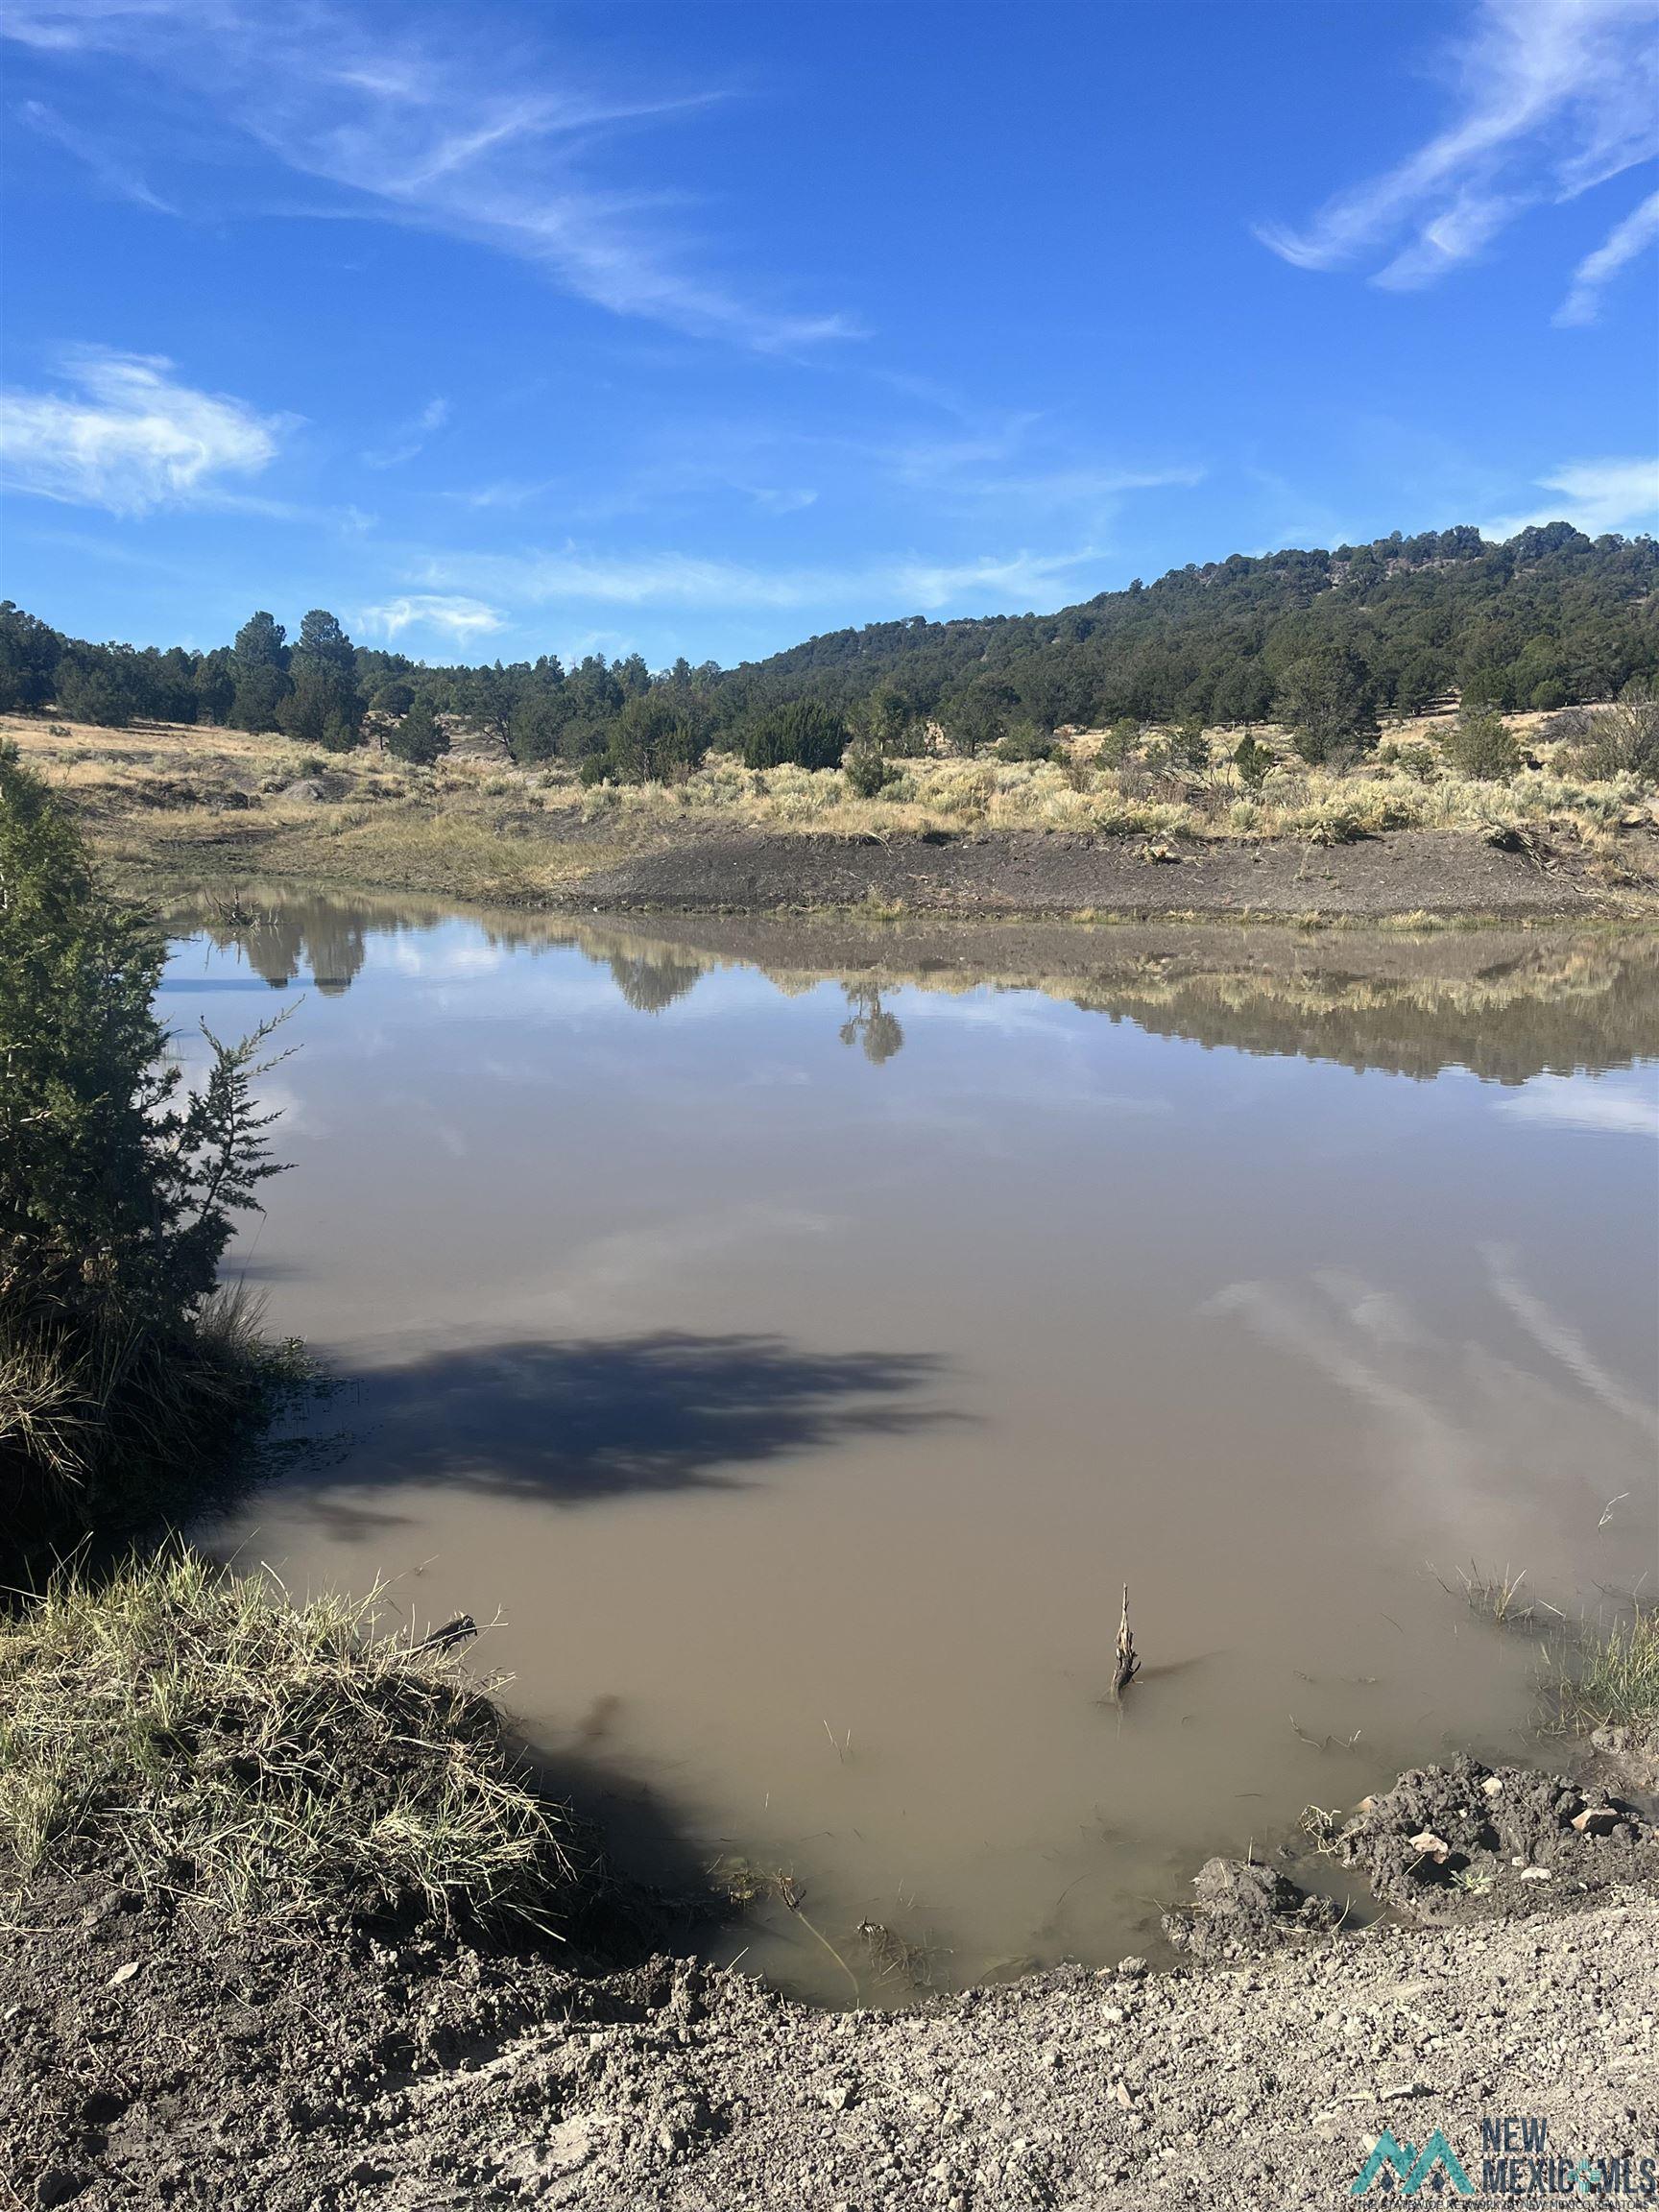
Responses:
[121,1368]
[1437,683]
[190,801]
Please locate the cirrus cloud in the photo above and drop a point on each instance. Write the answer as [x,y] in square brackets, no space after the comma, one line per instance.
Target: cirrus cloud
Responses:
[576,576]
[452,616]
[1596,496]
[1553,97]
[409,119]
[1596,271]
[127,436]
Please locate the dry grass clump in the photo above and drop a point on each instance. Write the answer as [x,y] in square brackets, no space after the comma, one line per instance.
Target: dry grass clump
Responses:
[1409,785]
[227,1744]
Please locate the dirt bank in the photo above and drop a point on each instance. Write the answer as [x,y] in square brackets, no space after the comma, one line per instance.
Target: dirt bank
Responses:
[1021,871]
[154,2055]
[257,2072]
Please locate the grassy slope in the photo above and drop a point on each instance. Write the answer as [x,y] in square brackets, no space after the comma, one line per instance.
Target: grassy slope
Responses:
[211,801]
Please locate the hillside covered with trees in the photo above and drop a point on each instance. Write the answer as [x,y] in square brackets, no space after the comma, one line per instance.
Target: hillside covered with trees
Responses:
[1322,642]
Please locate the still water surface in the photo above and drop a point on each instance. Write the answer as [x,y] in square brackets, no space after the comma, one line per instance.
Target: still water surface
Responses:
[800,1350]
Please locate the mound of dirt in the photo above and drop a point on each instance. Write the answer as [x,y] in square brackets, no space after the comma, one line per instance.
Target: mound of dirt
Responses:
[1466,1842]
[1241,1908]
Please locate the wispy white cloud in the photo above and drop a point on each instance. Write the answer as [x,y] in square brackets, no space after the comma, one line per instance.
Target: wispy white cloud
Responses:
[677,579]
[462,620]
[784,498]
[128,437]
[119,178]
[1021,459]
[407,439]
[1615,493]
[1596,271]
[1552,97]
[506,492]
[415,125]
[1622,1109]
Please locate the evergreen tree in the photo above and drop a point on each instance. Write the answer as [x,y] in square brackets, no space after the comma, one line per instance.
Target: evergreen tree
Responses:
[1243,693]
[259,664]
[1326,697]
[29,651]
[656,736]
[805,732]
[91,689]
[1482,744]
[396,696]
[419,738]
[117,1186]
[322,639]
[323,705]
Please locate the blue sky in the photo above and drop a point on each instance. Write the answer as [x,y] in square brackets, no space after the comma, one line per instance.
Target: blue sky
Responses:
[506,328]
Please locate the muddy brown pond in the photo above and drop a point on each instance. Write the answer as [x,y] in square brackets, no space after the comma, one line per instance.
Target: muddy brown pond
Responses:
[797,1337]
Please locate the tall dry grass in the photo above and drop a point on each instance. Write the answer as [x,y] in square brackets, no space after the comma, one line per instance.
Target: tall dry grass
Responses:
[194,1731]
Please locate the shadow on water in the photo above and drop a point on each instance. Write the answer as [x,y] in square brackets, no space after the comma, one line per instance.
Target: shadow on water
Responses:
[570,1423]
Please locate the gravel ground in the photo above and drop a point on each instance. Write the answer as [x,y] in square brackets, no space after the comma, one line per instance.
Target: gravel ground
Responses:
[152,2056]
[1260,2086]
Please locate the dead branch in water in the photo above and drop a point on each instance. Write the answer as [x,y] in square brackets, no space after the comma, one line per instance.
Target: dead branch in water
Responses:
[1128,1665]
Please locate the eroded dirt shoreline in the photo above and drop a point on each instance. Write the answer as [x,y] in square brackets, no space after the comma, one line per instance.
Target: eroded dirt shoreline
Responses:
[994,876]
[153,2056]
[1409,872]
[167,800]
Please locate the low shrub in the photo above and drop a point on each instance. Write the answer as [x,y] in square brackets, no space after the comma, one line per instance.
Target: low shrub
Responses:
[868,771]
[1026,742]
[1411,757]
[1482,746]
[1621,740]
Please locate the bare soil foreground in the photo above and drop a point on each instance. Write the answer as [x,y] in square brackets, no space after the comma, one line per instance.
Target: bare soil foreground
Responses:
[153,2056]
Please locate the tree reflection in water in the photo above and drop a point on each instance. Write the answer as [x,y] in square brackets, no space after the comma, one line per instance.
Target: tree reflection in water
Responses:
[869,1024]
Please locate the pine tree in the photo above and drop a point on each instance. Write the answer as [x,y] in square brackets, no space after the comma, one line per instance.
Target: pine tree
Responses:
[419,738]
[259,664]
[325,706]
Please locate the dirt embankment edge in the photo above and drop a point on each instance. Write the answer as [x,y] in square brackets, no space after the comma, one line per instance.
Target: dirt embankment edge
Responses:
[153,2055]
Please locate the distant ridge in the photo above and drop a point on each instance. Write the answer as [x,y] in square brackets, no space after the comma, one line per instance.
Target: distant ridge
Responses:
[1549,618]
